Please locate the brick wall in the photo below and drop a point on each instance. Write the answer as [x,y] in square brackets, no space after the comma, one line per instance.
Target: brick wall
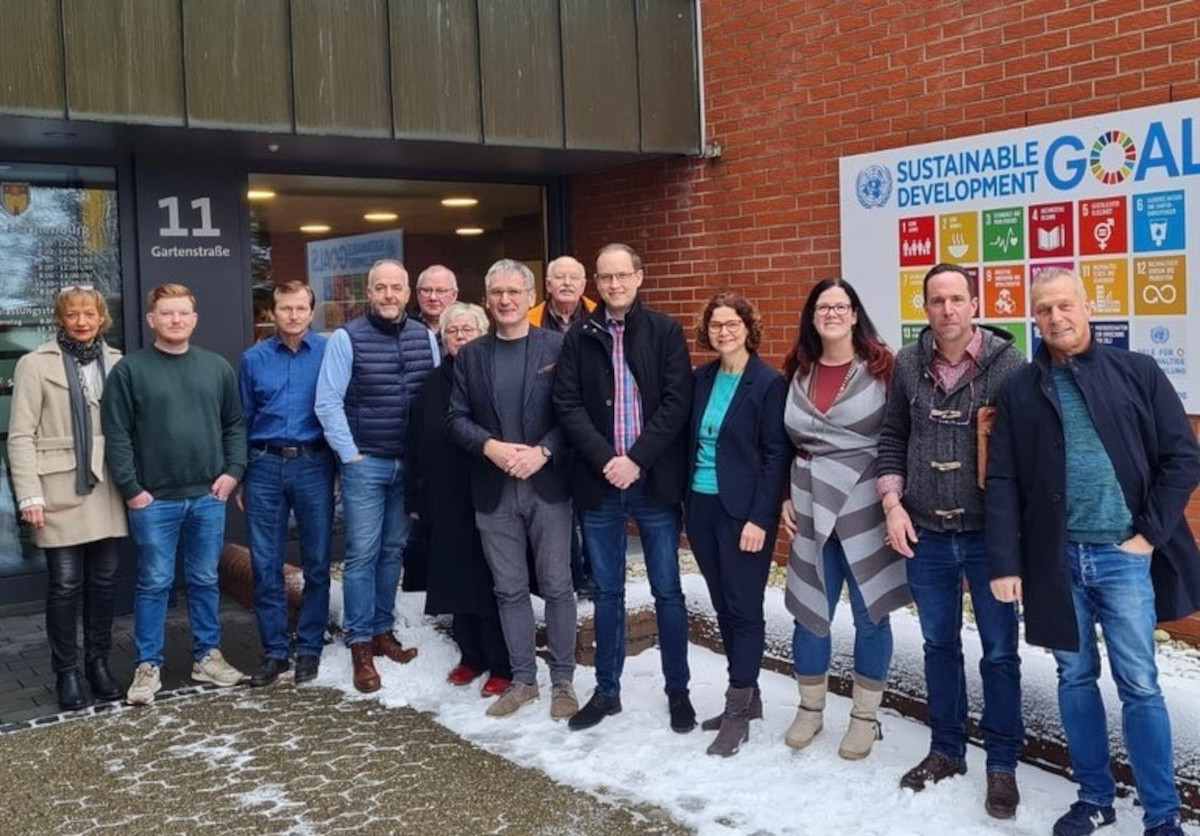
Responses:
[792,85]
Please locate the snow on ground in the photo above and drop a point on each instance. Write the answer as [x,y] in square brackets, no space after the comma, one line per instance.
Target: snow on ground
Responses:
[766,788]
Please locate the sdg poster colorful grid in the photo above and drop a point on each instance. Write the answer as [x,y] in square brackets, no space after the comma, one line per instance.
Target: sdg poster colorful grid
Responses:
[1115,198]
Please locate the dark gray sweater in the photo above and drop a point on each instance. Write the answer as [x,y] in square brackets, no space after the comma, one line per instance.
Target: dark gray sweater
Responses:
[932,448]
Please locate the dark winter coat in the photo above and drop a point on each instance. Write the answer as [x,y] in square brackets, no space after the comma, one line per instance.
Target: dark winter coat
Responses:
[437,474]
[1145,431]
[657,354]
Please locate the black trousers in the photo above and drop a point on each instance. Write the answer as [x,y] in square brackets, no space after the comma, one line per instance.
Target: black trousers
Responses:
[481,641]
[86,573]
[736,581]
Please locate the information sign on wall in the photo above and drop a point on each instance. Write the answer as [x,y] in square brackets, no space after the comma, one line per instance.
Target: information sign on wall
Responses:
[337,272]
[1114,197]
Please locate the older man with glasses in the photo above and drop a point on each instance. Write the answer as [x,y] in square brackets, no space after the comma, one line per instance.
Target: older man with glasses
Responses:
[437,289]
[927,479]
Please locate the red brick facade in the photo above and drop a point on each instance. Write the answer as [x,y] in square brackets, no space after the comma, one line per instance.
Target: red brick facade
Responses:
[792,85]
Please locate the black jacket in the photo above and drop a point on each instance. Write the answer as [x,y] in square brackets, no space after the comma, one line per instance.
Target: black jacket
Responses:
[1145,431]
[657,354]
[753,450]
[436,476]
[473,418]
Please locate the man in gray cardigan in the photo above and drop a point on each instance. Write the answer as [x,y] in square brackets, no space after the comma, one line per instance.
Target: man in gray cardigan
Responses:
[934,506]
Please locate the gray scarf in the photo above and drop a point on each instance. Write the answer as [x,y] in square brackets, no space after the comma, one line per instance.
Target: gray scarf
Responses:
[81,420]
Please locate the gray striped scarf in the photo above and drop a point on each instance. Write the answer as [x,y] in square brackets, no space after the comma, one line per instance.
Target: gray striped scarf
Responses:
[833,491]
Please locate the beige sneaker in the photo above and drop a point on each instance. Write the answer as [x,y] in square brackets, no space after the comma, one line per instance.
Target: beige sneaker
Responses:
[514,696]
[146,683]
[213,668]
[563,705]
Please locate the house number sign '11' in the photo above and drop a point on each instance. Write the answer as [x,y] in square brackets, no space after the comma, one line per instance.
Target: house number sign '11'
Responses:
[203,207]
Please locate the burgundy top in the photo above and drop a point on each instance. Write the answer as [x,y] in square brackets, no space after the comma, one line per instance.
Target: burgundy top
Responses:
[827,383]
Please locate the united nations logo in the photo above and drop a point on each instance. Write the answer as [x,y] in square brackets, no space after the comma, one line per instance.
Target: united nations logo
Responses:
[873,186]
[1159,335]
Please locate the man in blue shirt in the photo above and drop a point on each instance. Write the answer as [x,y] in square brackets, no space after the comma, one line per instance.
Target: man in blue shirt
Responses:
[290,469]
[372,371]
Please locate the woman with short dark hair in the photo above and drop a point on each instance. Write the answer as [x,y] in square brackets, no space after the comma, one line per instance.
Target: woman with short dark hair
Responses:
[739,456]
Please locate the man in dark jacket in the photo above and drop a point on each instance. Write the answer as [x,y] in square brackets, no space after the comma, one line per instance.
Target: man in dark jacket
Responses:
[623,398]
[501,413]
[1085,517]
[934,507]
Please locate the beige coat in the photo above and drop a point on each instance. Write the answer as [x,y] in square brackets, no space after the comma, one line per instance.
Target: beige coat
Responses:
[41,452]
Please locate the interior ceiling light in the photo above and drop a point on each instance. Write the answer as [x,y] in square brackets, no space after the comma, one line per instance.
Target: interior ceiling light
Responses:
[469,230]
[459,202]
[315,229]
[380,216]
[259,194]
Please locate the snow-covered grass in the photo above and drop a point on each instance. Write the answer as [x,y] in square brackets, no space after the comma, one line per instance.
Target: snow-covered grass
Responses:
[767,787]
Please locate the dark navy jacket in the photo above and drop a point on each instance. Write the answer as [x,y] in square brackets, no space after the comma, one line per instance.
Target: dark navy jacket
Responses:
[391,360]
[753,450]
[1144,429]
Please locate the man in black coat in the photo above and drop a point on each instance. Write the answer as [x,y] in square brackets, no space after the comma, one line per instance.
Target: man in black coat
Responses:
[1092,463]
[501,413]
[623,397]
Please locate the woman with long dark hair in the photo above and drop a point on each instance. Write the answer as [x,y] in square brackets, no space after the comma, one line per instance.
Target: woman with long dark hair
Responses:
[63,489]
[839,370]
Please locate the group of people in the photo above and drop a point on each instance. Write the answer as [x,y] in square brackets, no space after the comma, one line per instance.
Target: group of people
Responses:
[502,428]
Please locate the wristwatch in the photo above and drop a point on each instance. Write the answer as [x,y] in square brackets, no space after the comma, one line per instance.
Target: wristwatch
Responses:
[545,451]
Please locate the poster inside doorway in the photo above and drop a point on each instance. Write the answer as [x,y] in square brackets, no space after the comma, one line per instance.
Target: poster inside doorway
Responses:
[337,272]
[1114,197]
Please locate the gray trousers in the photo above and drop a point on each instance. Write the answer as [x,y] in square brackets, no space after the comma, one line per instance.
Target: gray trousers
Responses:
[523,517]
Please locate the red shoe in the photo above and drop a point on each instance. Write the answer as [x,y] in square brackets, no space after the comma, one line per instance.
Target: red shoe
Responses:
[495,686]
[462,675]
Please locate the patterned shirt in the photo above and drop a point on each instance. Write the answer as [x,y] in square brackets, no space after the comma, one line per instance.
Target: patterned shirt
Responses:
[627,400]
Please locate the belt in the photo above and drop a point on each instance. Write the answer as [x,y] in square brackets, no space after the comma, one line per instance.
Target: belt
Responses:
[293,451]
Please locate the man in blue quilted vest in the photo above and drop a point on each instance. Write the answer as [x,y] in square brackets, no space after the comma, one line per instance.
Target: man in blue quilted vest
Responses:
[373,368]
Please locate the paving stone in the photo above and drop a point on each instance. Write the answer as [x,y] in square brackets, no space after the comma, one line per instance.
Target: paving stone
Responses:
[286,760]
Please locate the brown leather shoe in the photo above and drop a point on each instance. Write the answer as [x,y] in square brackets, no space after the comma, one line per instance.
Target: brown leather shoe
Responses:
[934,768]
[366,679]
[1002,795]
[385,644]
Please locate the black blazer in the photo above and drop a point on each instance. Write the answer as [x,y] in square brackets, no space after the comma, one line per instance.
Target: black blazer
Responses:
[657,354]
[753,450]
[473,418]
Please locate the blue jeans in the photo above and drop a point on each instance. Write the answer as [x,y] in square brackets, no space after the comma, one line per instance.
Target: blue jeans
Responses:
[377,528]
[158,529]
[274,487]
[659,526]
[872,641]
[935,577]
[1113,588]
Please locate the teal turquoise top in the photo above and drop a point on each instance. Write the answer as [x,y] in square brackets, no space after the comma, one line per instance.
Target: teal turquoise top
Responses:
[705,479]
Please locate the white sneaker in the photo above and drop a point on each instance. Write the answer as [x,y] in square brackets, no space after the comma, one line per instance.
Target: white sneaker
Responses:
[146,683]
[213,668]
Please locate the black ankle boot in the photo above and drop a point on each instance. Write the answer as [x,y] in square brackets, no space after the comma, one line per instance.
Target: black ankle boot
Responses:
[70,690]
[101,680]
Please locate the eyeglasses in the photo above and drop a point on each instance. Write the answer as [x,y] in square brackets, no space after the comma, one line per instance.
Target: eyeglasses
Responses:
[840,309]
[76,288]
[460,331]
[611,278]
[435,291]
[732,326]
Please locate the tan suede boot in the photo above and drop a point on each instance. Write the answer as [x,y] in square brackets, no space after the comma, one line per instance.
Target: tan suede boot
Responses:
[864,727]
[810,718]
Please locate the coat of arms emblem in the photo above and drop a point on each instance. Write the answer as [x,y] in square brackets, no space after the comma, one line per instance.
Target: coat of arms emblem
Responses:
[14,198]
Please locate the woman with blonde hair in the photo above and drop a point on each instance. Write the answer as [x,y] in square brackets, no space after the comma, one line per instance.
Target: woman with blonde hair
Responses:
[63,489]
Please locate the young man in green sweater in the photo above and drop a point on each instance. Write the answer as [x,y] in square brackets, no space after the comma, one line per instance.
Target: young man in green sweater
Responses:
[176,447]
